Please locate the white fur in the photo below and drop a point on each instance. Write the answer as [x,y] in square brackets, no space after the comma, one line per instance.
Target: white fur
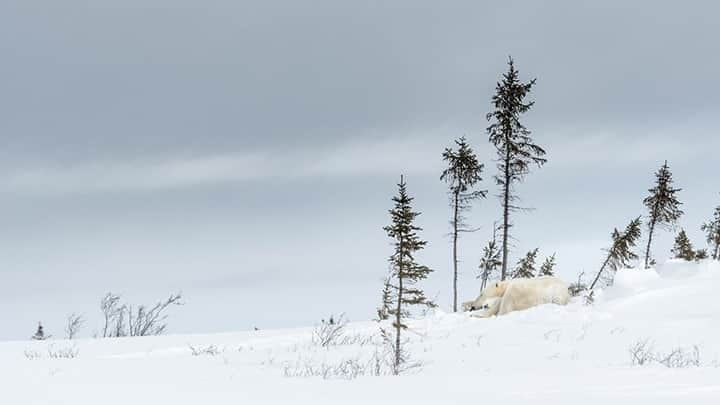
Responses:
[518,294]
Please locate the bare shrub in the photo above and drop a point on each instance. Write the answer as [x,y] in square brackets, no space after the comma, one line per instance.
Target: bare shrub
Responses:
[401,360]
[641,352]
[211,350]
[578,287]
[681,358]
[69,352]
[32,354]
[126,320]
[328,332]
[355,339]
[74,323]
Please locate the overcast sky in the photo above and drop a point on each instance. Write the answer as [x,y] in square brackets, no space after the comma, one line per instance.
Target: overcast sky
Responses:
[245,153]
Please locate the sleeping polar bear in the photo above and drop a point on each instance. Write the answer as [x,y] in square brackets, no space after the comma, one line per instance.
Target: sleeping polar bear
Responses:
[518,294]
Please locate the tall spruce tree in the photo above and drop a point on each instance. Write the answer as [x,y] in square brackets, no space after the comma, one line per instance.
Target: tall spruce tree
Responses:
[526,266]
[682,249]
[662,204]
[515,149]
[490,260]
[712,233]
[406,272]
[548,266]
[620,253]
[463,172]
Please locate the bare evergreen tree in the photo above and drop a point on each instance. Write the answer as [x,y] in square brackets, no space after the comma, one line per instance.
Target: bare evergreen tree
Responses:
[490,260]
[712,233]
[662,204]
[515,149]
[406,272]
[463,172]
[620,253]
[548,266]
[682,249]
[526,266]
[74,323]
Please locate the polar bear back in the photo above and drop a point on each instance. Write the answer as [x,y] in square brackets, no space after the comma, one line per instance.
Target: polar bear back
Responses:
[524,293]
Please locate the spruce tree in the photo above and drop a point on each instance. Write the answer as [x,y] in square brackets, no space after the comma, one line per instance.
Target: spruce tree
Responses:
[515,149]
[40,333]
[463,172]
[701,254]
[490,260]
[406,272]
[712,233]
[548,266]
[620,253]
[526,266]
[662,204]
[682,249]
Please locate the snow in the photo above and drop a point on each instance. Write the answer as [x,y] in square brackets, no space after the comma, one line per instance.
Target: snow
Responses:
[546,355]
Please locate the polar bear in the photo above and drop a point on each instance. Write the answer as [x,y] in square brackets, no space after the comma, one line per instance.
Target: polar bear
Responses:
[518,294]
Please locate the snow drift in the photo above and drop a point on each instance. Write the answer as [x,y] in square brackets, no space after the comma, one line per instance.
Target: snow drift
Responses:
[545,355]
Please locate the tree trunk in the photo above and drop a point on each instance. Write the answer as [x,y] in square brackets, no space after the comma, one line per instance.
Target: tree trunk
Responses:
[597,277]
[455,260]
[398,318]
[647,251]
[716,256]
[506,215]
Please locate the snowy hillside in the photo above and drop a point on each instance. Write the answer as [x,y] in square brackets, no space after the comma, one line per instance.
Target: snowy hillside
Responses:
[547,355]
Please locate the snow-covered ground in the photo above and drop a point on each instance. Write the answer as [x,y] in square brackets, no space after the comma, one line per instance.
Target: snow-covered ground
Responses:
[576,354]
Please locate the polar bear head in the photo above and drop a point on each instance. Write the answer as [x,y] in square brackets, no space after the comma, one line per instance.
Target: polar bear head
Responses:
[494,290]
[491,307]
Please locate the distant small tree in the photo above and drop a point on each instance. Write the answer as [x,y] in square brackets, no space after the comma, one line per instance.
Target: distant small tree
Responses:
[40,333]
[516,150]
[701,254]
[662,204]
[490,260]
[682,249]
[74,323]
[620,253]
[406,272]
[712,233]
[462,173]
[548,266]
[526,266]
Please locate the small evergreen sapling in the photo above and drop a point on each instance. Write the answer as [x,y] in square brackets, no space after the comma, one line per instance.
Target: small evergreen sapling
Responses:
[548,266]
[40,333]
[516,151]
[463,172]
[490,260]
[406,272]
[662,204]
[682,249]
[526,266]
[620,253]
[712,233]
[386,300]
